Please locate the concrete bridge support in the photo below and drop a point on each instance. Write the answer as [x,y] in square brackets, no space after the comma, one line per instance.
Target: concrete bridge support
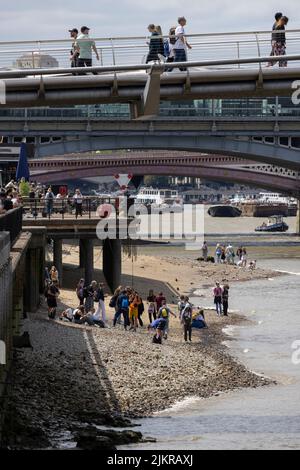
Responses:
[81,253]
[112,262]
[57,258]
[87,259]
[35,269]
[298,218]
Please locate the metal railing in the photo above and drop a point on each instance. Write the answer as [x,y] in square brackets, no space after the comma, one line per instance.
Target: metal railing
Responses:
[11,222]
[66,208]
[258,109]
[120,51]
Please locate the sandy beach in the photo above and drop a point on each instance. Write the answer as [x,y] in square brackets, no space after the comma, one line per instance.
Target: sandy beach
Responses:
[79,375]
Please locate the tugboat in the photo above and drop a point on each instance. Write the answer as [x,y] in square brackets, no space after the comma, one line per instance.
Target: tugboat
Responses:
[224,211]
[274,224]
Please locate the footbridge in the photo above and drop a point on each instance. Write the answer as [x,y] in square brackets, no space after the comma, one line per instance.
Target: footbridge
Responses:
[219,65]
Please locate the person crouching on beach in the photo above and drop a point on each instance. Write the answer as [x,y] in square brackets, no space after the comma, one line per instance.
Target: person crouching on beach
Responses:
[164,312]
[157,325]
[199,319]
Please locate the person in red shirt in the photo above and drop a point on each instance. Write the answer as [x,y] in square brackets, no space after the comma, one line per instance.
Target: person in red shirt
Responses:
[159,300]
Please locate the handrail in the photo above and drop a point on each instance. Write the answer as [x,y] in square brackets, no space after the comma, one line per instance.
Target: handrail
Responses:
[146,67]
[121,38]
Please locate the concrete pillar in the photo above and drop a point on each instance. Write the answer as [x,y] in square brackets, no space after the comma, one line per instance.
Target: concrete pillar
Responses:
[57,259]
[112,262]
[81,254]
[298,219]
[88,259]
[32,281]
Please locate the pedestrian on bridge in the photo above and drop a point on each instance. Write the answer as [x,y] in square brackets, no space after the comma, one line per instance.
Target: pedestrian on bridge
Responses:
[156,45]
[49,200]
[279,41]
[74,54]
[78,200]
[181,44]
[85,46]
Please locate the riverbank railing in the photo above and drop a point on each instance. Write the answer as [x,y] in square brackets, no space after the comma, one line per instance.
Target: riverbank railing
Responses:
[54,53]
[66,208]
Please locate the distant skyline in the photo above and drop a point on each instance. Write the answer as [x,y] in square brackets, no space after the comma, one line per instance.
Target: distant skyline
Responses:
[36,20]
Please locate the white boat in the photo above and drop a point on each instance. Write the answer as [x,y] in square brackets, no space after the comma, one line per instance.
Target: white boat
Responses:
[157,197]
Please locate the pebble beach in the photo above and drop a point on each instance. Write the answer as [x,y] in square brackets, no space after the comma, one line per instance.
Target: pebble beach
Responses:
[77,376]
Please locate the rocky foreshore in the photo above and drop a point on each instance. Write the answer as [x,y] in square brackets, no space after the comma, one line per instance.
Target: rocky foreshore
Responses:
[77,378]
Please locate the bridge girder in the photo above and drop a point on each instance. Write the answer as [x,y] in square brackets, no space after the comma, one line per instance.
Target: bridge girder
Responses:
[187,141]
[218,173]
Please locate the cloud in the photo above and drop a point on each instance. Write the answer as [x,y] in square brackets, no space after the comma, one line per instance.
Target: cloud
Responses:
[34,19]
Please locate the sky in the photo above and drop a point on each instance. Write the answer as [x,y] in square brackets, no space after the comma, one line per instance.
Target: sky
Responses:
[35,19]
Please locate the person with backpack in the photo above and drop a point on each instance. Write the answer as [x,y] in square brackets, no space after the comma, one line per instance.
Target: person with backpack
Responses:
[122,308]
[169,47]
[187,318]
[164,313]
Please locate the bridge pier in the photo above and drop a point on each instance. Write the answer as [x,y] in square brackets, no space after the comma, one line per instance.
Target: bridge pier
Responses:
[81,254]
[34,271]
[87,259]
[57,258]
[298,218]
[32,280]
[112,262]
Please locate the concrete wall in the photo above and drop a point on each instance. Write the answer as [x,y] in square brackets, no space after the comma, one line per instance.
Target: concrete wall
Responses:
[5,314]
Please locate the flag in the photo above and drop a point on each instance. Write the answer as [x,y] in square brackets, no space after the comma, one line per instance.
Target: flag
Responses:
[23,168]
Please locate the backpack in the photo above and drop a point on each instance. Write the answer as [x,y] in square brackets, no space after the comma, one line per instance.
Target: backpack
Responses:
[125,303]
[187,314]
[164,313]
[113,301]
